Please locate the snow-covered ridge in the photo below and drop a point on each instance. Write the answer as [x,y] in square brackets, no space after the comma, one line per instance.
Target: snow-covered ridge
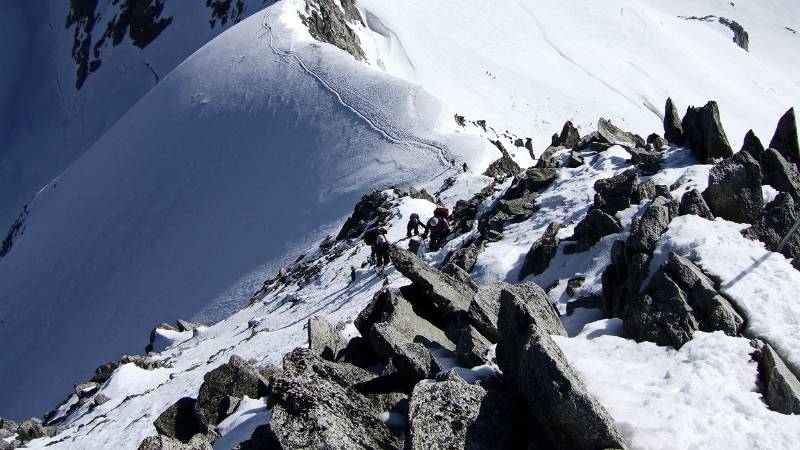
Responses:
[673,383]
[158,225]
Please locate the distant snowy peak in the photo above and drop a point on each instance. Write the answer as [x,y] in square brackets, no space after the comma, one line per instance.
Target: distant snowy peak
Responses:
[98,26]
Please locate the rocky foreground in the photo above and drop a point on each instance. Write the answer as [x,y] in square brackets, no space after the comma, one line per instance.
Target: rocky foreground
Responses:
[444,363]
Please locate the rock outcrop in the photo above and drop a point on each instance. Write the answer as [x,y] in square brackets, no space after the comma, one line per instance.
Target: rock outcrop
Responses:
[323,339]
[782,389]
[588,232]
[780,173]
[774,224]
[318,406]
[503,167]
[449,294]
[611,134]
[752,144]
[235,378]
[484,312]
[541,252]
[198,442]
[536,369]
[372,209]
[179,421]
[455,415]
[734,189]
[785,138]
[673,130]
[692,202]
[614,194]
[703,133]
[569,137]
[661,314]
[328,22]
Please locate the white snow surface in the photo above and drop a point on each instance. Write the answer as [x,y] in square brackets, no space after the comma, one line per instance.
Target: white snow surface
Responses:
[253,145]
[701,396]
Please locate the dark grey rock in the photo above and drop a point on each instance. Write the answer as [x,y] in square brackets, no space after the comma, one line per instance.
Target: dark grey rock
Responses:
[534,367]
[100,399]
[8,424]
[785,138]
[781,385]
[549,158]
[374,207]
[179,421]
[656,141]
[412,360]
[421,194]
[236,378]
[569,137]
[734,189]
[662,314]
[263,438]
[31,429]
[485,308]
[614,194]
[590,230]
[673,130]
[593,301]
[472,347]
[198,442]
[185,325]
[774,223]
[541,252]
[622,278]
[84,390]
[712,311]
[752,144]
[780,173]
[323,339]
[643,192]
[318,407]
[646,159]
[575,283]
[647,229]
[574,161]
[611,134]
[6,445]
[448,294]
[327,22]
[505,166]
[703,133]
[466,257]
[740,36]
[692,202]
[400,329]
[455,415]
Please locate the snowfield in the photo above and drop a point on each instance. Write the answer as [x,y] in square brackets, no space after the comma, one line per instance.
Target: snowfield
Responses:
[254,148]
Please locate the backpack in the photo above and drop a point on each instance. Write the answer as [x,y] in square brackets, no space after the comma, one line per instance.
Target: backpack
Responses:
[371,235]
[381,241]
[442,212]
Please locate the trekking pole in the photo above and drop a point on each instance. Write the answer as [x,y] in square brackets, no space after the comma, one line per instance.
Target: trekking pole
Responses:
[788,235]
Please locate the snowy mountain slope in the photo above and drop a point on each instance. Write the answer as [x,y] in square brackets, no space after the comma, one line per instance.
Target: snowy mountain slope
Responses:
[233,159]
[72,68]
[122,226]
[528,66]
[705,394]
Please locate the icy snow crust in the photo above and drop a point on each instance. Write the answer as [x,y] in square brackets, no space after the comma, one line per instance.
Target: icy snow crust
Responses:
[235,158]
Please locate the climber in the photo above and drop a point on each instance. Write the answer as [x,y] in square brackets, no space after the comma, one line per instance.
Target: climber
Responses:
[381,250]
[438,228]
[413,225]
[465,168]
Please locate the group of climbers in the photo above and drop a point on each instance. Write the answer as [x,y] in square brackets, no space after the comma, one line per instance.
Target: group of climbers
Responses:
[437,228]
